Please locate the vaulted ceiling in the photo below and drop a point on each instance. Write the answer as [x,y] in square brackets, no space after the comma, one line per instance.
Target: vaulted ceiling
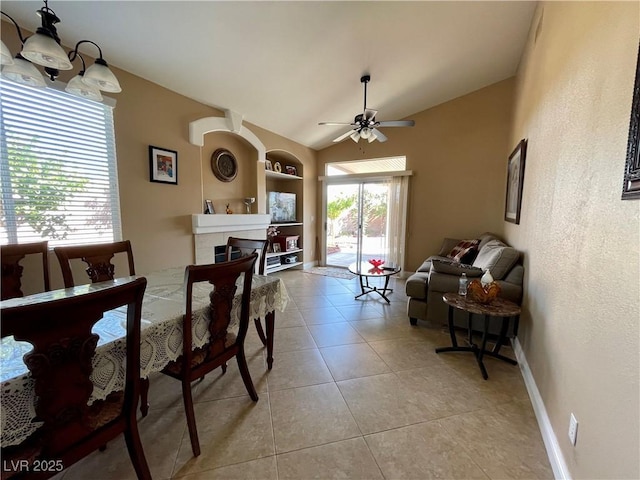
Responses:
[286,66]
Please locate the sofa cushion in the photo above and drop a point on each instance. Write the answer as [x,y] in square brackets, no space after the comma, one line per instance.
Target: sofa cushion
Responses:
[487,237]
[464,248]
[454,268]
[447,245]
[497,257]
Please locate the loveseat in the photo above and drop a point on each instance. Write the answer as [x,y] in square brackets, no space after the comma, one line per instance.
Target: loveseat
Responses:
[440,274]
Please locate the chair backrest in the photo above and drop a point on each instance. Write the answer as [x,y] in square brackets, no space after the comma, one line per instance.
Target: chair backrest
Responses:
[97,257]
[223,277]
[247,247]
[10,256]
[60,329]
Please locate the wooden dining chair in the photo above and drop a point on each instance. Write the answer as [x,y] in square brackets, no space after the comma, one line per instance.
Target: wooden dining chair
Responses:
[247,246]
[60,330]
[10,256]
[223,344]
[98,258]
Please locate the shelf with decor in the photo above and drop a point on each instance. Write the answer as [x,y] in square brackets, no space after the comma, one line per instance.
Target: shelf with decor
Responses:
[283,172]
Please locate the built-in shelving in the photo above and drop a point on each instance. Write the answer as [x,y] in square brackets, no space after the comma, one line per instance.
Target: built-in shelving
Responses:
[284,182]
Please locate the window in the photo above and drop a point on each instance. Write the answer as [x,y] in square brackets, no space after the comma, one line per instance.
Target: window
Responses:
[58,177]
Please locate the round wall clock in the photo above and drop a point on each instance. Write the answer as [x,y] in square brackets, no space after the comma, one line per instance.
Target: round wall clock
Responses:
[224,165]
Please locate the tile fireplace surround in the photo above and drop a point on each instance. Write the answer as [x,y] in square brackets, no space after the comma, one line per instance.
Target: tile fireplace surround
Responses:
[212,230]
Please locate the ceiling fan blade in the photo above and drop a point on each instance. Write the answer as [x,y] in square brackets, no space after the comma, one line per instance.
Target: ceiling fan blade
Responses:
[335,123]
[396,123]
[343,136]
[381,137]
[369,113]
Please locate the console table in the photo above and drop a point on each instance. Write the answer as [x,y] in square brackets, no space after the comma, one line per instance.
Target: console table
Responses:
[499,307]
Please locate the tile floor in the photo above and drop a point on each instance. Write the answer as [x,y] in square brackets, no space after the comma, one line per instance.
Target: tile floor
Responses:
[355,392]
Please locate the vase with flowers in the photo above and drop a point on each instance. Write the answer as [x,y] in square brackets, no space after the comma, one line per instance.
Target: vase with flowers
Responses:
[272,231]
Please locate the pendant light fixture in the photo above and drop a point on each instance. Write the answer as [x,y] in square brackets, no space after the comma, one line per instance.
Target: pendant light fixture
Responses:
[43,48]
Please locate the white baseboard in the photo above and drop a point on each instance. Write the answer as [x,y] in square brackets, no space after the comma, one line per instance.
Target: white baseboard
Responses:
[558,464]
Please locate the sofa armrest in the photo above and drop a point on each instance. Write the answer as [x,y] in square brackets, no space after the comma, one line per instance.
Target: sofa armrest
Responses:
[416,285]
[443,282]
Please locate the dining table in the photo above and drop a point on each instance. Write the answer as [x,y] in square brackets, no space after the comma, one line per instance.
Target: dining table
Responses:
[161,339]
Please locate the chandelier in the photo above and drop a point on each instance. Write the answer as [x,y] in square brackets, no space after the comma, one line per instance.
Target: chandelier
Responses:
[43,48]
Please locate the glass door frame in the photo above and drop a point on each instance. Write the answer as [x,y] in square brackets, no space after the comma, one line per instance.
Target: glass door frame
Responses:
[360,179]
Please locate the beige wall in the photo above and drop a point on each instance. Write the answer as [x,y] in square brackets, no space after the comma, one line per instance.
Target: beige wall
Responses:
[580,327]
[157,217]
[458,152]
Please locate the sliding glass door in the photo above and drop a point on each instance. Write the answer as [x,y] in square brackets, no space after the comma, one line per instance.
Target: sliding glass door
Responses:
[357,221]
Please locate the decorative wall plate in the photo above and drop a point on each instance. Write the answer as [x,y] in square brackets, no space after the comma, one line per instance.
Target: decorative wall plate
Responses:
[224,165]
[277,167]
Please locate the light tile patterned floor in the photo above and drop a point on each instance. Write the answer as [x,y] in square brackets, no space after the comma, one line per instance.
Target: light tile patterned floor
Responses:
[356,392]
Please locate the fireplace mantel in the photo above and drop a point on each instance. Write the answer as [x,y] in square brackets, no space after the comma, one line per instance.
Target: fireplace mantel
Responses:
[220,223]
[212,230]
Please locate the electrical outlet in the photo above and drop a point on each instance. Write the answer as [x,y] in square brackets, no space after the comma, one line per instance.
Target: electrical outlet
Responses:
[573,429]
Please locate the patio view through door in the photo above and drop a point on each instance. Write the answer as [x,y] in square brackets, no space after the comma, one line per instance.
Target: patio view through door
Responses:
[364,211]
[356,222]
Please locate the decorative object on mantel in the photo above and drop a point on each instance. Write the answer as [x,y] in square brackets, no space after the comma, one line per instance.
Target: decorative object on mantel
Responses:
[224,165]
[480,294]
[228,209]
[208,207]
[43,48]
[268,165]
[631,186]
[515,181]
[163,165]
[277,167]
[248,201]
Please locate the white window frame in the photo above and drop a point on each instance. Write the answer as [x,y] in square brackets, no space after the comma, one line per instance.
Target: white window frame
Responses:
[80,134]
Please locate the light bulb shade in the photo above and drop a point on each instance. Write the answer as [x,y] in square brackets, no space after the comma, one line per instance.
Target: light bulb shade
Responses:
[101,77]
[44,50]
[77,87]
[372,137]
[355,136]
[24,72]
[5,55]
[365,133]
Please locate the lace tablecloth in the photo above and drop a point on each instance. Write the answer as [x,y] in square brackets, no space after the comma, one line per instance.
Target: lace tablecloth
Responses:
[161,341]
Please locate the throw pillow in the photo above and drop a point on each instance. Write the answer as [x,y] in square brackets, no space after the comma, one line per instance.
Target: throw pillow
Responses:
[454,268]
[462,249]
[497,257]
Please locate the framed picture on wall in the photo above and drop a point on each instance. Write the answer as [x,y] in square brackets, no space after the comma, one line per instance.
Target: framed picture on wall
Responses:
[515,180]
[163,165]
[631,184]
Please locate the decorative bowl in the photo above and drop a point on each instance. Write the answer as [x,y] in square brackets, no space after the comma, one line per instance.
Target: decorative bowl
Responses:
[483,295]
[376,263]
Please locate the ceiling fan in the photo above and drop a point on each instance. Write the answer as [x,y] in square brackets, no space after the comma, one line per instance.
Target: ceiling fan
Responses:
[365,124]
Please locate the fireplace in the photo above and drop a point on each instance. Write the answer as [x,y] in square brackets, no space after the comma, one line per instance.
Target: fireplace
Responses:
[219,253]
[211,231]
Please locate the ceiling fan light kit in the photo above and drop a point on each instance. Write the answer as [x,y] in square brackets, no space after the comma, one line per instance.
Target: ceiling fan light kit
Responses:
[365,125]
[43,48]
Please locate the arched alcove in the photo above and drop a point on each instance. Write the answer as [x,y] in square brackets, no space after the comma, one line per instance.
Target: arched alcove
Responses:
[232,123]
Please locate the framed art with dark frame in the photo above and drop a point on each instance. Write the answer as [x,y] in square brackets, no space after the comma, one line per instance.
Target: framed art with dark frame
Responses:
[631,185]
[163,165]
[515,180]
[208,207]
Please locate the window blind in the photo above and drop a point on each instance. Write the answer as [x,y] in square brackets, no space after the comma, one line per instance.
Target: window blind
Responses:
[58,169]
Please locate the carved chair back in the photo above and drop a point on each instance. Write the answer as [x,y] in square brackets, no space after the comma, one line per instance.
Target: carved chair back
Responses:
[247,247]
[10,256]
[223,344]
[98,258]
[60,330]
